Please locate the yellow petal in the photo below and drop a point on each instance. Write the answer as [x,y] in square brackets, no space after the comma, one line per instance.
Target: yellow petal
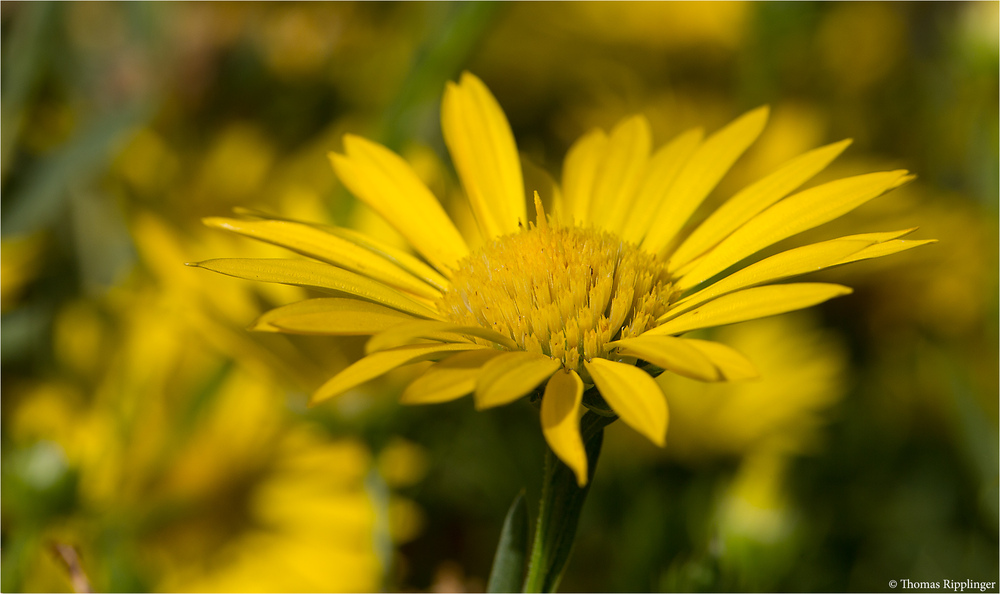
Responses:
[485,155]
[404,260]
[321,277]
[331,315]
[511,376]
[448,379]
[731,363]
[754,199]
[701,174]
[633,395]
[387,183]
[749,304]
[621,171]
[407,262]
[580,167]
[315,243]
[672,354]
[403,334]
[372,366]
[664,166]
[793,262]
[561,421]
[792,215]
[885,249]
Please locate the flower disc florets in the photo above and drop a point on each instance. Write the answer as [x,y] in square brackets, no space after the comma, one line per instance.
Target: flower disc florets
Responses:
[562,291]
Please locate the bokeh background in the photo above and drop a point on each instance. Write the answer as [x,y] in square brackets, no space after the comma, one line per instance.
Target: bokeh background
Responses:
[151,443]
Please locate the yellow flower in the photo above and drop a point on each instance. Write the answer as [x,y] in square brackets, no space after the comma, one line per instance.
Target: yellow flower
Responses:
[595,294]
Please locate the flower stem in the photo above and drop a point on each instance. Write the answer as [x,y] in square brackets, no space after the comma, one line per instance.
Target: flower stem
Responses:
[560,507]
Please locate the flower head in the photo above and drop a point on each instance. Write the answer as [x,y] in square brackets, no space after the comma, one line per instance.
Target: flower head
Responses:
[597,293]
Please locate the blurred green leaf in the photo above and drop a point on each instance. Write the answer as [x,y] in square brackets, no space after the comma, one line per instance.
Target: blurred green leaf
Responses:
[42,194]
[23,65]
[512,550]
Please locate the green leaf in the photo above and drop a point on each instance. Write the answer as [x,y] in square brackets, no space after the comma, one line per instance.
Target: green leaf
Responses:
[512,550]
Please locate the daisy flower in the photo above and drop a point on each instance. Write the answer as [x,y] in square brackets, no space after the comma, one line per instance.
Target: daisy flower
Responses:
[583,305]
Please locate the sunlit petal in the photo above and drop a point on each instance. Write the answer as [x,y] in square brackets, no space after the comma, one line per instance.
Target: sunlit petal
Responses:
[511,376]
[448,379]
[672,354]
[484,152]
[633,395]
[388,184]
[377,364]
[403,334]
[754,199]
[620,173]
[700,175]
[318,276]
[885,249]
[331,315]
[794,262]
[795,214]
[561,421]
[315,243]
[731,363]
[661,173]
[582,163]
[749,304]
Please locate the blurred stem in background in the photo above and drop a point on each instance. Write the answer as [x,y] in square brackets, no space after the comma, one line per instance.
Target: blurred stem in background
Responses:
[458,27]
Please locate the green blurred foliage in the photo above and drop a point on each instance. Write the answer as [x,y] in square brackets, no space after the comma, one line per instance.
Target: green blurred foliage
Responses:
[143,426]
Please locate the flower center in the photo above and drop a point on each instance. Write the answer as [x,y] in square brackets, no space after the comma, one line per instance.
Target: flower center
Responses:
[562,291]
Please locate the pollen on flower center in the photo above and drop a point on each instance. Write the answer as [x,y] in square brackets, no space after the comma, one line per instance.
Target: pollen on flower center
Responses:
[562,291]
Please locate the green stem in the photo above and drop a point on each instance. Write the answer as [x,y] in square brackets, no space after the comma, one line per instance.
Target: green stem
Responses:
[560,507]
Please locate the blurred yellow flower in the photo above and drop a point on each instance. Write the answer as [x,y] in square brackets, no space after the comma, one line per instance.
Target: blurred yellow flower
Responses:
[220,489]
[595,294]
[803,373]
[168,427]
[19,257]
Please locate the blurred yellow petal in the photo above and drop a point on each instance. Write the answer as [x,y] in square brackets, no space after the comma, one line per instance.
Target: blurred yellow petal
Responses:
[750,304]
[448,379]
[664,166]
[700,175]
[380,363]
[795,214]
[620,173]
[580,168]
[387,183]
[484,152]
[426,329]
[314,275]
[561,421]
[633,395]
[754,199]
[331,315]
[315,243]
[672,354]
[731,363]
[511,376]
